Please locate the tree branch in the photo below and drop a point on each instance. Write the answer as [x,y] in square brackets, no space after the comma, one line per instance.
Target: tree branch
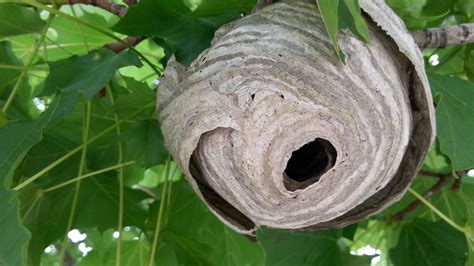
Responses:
[443,179]
[117,47]
[444,36]
[108,5]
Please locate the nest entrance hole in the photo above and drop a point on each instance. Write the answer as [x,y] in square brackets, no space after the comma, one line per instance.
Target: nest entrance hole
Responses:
[309,163]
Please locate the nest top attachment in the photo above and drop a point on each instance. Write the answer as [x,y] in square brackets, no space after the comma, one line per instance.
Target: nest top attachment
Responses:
[271,129]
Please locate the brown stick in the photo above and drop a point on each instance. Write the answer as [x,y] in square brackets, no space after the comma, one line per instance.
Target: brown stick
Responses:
[444,36]
[108,5]
[117,47]
[443,179]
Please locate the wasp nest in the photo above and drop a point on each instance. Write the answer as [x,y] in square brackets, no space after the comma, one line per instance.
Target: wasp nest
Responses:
[271,129]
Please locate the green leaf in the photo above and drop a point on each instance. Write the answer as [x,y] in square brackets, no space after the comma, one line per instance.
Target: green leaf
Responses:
[197,237]
[429,243]
[138,95]
[340,15]
[187,32]
[300,248]
[358,19]
[18,137]
[18,20]
[467,7]
[87,73]
[454,122]
[144,143]
[14,235]
[65,38]
[22,106]
[329,13]
[284,247]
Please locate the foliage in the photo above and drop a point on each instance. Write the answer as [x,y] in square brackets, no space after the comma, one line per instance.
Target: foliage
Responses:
[81,149]
[339,15]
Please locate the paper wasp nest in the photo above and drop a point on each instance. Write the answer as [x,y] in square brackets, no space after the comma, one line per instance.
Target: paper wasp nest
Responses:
[271,129]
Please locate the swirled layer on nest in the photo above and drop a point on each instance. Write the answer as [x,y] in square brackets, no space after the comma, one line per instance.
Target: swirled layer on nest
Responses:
[271,129]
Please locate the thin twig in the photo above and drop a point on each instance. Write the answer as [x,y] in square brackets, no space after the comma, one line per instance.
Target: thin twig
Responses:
[444,36]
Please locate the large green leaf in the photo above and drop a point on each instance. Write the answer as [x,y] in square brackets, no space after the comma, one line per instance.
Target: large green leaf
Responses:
[300,248]
[188,32]
[17,138]
[329,13]
[454,119]
[65,38]
[429,243]
[18,20]
[196,237]
[283,247]
[87,73]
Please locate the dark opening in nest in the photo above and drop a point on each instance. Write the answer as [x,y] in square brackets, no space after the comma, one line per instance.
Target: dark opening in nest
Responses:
[309,163]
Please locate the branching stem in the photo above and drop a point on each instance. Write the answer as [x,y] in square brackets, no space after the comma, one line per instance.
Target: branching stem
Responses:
[29,63]
[78,148]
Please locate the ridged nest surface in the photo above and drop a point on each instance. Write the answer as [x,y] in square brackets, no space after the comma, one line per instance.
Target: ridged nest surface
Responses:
[271,129]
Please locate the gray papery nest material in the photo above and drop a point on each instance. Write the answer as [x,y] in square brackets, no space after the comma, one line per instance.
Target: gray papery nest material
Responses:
[271,129]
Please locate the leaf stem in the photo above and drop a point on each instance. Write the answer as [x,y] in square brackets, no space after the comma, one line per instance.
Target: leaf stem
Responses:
[24,68]
[438,212]
[120,177]
[160,212]
[78,148]
[82,167]
[30,61]
[70,181]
